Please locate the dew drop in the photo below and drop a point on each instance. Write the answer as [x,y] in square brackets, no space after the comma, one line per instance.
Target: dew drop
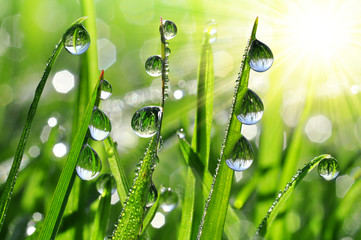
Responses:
[153,66]
[260,56]
[146,121]
[169,199]
[170,29]
[105,90]
[99,125]
[106,180]
[251,110]
[242,155]
[211,31]
[152,196]
[167,51]
[89,164]
[160,143]
[181,134]
[76,40]
[328,168]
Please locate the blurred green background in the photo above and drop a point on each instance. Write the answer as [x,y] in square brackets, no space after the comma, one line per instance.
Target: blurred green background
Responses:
[311,96]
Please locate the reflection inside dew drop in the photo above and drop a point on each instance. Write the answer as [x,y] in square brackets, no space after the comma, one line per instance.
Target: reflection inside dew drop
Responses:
[260,56]
[170,29]
[328,168]
[146,121]
[105,89]
[153,66]
[106,181]
[251,109]
[76,40]
[242,156]
[169,199]
[99,125]
[152,196]
[89,164]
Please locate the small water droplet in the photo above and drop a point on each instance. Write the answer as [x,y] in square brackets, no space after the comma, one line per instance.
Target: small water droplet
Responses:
[242,155]
[328,168]
[181,134]
[76,40]
[89,164]
[211,31]
[167,51]
[105,90]
[152,196]
[169,199]
[153,66]
[251,110]
[146,121]
[106,180]
[260,56]
[160,143]
[170,29]
[99,125]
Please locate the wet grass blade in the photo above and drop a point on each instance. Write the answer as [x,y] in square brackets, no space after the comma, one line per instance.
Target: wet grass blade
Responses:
[150,215]
[10,183]
[63,188]
[285,194]
[215,211]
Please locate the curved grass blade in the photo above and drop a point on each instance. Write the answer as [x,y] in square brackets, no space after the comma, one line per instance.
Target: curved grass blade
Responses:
[63,188]
[284,195]
[10,183]
[215,211]
[150,215]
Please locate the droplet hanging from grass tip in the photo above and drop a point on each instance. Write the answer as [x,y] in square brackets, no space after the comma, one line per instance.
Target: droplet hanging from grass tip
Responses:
[211,31]
[105,89]
[251,109]
[260,56]
[170,29]
[76,40]
[169,199]
[99,125]
[328,168]
[146,121]
[106,180]
[242,156]
[153,66]
[89,164]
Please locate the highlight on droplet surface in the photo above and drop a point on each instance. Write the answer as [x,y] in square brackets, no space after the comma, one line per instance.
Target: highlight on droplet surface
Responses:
[211,31]
[106,180]
[328,168]
[251,109]
[152,196]
[89,164]
[99,125]
[76,40]
[181,134]
[260,56]
[105,89]
[146,121]
[242,156]
[170,29]
[169,199]
[153,66]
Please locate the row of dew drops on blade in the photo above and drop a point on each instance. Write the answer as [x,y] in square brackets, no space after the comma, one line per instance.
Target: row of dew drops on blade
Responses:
[146,121]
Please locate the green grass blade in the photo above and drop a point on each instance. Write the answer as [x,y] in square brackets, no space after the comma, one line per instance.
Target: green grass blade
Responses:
[10,183]
[285,194]
[150,215]
[52,219]
[214,214]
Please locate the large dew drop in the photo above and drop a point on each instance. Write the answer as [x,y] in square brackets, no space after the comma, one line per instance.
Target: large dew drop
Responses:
[328,168]
[251,109]
[76,40]
[170,29]
[152,196]
[146,121]
[105,89]
[99,125]
[153,66]
[260,56]
[169,199]
[106,181]
[89,164]
[242,156]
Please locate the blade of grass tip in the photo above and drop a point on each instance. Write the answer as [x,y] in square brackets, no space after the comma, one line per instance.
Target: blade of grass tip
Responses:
[192,203]
[117,169]
[285,194]
[52,219]
[10,183]
[215,211]
[150,215]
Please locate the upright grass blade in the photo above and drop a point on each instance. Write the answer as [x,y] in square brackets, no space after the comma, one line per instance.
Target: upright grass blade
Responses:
[285,194]
[10,183]
[150,215]
[215,211]
[193,199]
[61,194]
